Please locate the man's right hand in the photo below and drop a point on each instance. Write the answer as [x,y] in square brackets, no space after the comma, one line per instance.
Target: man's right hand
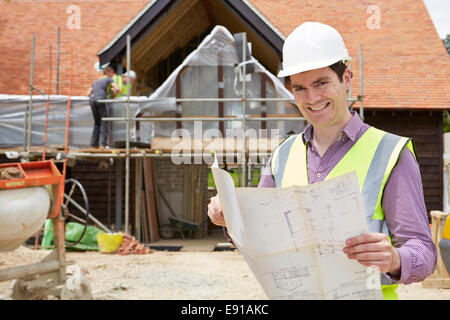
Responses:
[215,212]
[115,89]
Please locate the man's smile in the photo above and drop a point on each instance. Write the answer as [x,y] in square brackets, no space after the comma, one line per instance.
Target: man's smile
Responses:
[319,107]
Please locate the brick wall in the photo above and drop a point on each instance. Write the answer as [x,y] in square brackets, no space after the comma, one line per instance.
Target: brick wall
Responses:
[95,181]
[169,177]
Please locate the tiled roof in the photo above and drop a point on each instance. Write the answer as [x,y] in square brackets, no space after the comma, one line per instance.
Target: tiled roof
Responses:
[100,21]
[405,62]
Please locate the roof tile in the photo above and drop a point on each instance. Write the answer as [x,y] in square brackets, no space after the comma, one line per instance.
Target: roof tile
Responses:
[405,63]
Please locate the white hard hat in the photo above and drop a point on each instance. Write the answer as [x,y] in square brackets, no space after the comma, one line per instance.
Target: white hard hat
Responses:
[132,74]
[312,45]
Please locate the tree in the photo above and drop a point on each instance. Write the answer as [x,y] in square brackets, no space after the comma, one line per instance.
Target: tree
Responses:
[446,42]
[445,121]
[446,114]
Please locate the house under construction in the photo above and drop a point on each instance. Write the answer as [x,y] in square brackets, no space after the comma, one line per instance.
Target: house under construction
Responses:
[194,64]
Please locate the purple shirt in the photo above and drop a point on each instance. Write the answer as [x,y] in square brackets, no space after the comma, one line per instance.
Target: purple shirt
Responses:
[403,202]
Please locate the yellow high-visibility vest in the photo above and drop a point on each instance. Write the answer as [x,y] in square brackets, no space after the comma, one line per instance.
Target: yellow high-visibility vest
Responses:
[124,91]
[117,80]
[373,157]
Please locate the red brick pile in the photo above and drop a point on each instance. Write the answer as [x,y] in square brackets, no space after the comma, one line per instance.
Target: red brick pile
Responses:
[130,245]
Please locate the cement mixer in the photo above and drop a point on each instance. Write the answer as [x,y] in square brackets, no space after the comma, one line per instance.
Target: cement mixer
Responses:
[30,193]
[22,213]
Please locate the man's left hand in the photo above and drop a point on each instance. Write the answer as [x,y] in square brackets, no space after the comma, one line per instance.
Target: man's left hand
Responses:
[374,250]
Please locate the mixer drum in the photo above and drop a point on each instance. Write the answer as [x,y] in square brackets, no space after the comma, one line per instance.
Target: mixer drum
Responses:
[22,213]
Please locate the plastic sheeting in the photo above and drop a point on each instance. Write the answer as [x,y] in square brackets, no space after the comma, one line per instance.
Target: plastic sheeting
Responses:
[198,77]
[12,120]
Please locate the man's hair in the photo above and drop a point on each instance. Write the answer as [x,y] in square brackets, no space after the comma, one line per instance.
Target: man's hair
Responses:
[107,69]
[339,68]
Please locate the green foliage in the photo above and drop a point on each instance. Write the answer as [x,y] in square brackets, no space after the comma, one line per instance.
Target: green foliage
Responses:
[211,180]
[235,175]
[446,115]
[446,121]
[446,42]
[256,176]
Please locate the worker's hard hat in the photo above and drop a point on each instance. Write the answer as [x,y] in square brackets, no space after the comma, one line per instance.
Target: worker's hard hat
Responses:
[312,45]
[131,73]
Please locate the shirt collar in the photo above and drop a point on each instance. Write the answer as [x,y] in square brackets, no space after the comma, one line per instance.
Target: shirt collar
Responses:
[350,130]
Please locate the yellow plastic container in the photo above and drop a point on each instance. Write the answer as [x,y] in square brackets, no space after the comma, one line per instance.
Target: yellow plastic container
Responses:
[109,242]
[446,231]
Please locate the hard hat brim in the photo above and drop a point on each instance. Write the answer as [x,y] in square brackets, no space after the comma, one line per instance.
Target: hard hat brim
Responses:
[310,66]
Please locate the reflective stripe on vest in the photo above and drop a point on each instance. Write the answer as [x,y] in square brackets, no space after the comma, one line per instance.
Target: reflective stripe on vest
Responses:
[376,153]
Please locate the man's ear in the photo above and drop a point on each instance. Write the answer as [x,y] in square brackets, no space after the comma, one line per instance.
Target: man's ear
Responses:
[288,83]
[346,78]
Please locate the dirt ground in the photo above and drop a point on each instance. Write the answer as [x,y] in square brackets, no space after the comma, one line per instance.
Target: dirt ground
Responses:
[172,275]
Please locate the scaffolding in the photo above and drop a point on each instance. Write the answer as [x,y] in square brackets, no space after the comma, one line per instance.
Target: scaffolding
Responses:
[140,153]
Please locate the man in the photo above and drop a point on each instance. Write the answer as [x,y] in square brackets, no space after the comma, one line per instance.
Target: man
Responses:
[98,91]
[336,142]
[118,81]
[124,80]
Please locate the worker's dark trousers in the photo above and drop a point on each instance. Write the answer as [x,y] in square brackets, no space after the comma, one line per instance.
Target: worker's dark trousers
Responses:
[100,132]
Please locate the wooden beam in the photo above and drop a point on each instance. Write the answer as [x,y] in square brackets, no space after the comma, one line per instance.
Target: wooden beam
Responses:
[138,197]
[119,183]
[209,14]
[29,270]
[260,50]
[440,277]
[177,37]
[159,31]
[144,215]
[150,197]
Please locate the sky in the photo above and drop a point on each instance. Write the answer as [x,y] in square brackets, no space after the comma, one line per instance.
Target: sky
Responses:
[439,11]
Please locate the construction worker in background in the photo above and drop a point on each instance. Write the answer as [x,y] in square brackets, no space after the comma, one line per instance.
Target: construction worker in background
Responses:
[124,91]
[118,81]
[98,91]
[336,142]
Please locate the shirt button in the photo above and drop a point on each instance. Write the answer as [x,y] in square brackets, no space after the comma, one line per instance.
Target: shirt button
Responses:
[318,175]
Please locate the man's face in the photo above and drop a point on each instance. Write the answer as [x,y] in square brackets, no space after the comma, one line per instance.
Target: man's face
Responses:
[109,73]
[321,97]
[132,80]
